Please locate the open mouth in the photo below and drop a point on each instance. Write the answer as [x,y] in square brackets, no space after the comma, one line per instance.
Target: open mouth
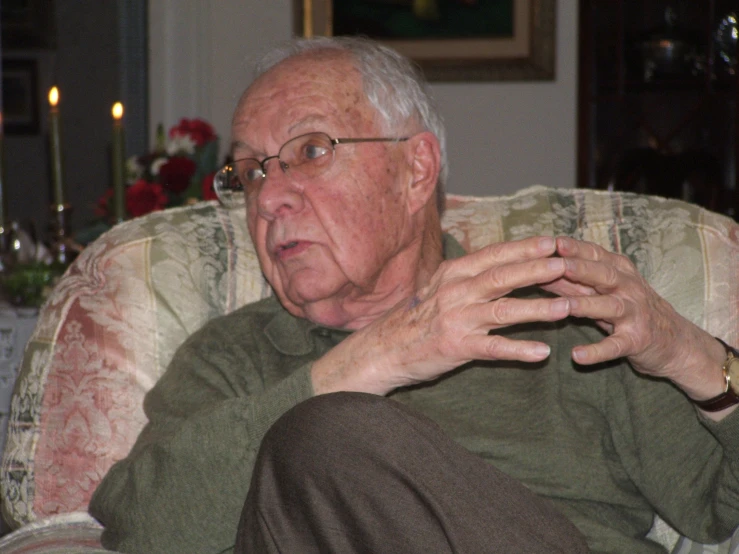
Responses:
[282,248]
[291,248]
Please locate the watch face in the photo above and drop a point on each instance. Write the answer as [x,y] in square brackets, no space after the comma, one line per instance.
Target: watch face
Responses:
[732,369]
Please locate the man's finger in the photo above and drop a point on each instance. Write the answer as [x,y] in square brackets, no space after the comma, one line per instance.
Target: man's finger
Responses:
[496,347]
[504,253]
[567,247]
[565,287]
[603,277]
[600,307]
[610,348]
[510,311]
[501,280]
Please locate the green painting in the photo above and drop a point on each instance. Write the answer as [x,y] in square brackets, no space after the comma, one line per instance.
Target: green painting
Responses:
[424,19]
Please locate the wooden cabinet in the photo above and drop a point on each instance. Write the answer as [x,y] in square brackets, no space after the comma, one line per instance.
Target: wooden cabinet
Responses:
[658,99]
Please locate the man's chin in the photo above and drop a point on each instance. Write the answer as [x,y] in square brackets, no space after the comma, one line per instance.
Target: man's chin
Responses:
[313,295]
[327,317]
[323,311]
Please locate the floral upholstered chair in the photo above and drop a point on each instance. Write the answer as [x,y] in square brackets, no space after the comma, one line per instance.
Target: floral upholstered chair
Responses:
[112,324]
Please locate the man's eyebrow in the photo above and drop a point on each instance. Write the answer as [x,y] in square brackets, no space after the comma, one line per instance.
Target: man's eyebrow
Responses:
[239,145]
[306,121]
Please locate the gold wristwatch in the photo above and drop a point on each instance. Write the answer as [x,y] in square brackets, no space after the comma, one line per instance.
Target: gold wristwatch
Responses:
[730,396]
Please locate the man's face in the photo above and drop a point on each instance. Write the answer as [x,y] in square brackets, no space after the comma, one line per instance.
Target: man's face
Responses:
[331,240]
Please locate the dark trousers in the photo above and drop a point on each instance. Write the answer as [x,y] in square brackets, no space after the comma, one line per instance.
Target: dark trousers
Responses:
[351,473]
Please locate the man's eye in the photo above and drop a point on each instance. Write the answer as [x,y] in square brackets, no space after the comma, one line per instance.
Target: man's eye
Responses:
[254,174]
[314,151]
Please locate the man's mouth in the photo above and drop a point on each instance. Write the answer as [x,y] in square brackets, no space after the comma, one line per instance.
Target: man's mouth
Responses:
[291,248]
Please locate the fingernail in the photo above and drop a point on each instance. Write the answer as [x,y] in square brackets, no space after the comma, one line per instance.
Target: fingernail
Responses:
[579,355]
[560,307]
[546,243]
[556,263]
[542,350]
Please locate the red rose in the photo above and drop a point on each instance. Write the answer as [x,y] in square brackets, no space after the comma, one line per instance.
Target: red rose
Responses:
[198,130]
[102,209]
[143,197]
[176,174]
[208,192]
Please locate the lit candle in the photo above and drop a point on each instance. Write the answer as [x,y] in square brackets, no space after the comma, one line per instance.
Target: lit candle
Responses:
[56,148]
[119,191]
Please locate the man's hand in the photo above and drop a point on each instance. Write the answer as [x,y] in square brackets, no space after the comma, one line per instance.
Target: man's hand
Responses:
[447,323]
[641,325]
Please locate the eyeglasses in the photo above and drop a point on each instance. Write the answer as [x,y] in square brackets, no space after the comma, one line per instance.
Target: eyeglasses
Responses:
[301,158]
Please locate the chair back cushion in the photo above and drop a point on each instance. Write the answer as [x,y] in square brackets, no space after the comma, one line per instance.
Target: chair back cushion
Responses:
[113,322]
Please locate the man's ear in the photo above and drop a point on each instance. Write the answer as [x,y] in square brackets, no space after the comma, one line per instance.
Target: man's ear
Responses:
[424,160]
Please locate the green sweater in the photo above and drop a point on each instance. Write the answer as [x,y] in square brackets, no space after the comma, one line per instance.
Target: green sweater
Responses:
[608,446]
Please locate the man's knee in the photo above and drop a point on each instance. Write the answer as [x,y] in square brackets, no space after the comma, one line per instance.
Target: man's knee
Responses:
[323,429]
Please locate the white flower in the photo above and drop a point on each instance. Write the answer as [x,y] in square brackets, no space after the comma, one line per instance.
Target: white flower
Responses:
[134,170]
[156,165]
[181,144]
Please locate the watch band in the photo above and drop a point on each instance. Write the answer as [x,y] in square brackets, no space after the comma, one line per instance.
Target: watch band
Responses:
[728,397]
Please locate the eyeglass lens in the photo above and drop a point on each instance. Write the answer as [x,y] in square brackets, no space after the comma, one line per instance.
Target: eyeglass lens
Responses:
[301,158]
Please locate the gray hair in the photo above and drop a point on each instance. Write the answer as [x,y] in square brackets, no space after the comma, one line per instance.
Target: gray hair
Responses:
[392,83]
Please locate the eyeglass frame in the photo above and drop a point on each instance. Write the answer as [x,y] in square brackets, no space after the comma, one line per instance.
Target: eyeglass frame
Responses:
[284,167]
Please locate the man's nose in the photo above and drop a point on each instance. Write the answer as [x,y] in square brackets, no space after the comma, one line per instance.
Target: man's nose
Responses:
[278,193]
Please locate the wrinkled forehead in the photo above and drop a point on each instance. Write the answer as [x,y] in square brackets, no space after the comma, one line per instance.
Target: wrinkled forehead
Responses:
[332,77]
[314,84]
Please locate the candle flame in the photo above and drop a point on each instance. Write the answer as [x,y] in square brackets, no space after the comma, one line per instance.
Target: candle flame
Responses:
[117,110]
[54,96]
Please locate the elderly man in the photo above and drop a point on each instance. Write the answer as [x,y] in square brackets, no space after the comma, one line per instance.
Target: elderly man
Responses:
[535,396]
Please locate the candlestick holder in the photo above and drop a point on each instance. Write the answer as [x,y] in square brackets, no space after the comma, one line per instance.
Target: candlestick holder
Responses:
[63,247]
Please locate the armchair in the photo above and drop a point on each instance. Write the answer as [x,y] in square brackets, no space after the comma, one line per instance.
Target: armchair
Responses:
[113,322]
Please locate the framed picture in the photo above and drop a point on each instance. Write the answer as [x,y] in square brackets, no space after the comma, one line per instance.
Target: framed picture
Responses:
[451,40]
[20,97]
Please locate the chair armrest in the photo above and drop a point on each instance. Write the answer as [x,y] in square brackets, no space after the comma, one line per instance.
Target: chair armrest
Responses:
[75,532]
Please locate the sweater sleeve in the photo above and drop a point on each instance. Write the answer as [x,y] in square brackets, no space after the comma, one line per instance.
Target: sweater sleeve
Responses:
[686,465]
[183,485]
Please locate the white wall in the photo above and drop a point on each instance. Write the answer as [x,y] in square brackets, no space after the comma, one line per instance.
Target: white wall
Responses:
[502,136]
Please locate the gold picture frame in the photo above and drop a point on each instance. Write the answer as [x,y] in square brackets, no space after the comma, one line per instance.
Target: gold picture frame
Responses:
[528,54]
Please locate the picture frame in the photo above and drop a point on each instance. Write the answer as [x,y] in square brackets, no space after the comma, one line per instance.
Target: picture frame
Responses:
[20,109]
[526,53]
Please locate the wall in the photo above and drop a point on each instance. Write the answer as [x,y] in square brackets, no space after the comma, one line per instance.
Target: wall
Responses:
[502,136]
[85,68]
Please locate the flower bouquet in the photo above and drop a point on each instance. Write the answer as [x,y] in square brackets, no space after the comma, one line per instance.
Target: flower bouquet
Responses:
[179,170]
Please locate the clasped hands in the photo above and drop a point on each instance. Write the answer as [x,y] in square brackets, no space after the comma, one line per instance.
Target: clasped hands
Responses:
[450,320]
